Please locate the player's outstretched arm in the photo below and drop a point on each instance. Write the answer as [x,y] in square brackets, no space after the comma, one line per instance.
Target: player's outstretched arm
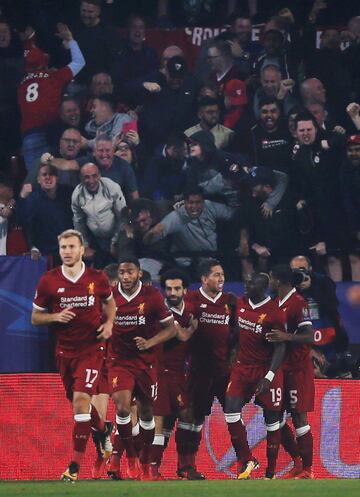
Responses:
[276,361]
[105,330]
[41,318]
[169,331]
[304,334]
[184,334]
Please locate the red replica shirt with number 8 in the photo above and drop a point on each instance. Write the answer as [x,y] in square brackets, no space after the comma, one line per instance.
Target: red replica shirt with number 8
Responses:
[39,97]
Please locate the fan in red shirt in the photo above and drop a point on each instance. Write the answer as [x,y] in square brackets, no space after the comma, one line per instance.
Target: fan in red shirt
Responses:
[71,300]
[39,93]
[211,346]
[299,388]
[173,398]
[256,372]
[132,358]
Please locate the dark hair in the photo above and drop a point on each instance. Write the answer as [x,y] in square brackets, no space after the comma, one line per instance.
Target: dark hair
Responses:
[104,137]
[223,47]
[306,116]
[130,260]
[269,100]
[69,98]
[275,32]
[108,98]
[111,271]
[97,3]
[207,101]
[174,274]
[52,169]
[134,16]
[239,15]
[283,273]
[176,140]
[146,277]
[205,266]
[144,204]
[226,36]
[195,190]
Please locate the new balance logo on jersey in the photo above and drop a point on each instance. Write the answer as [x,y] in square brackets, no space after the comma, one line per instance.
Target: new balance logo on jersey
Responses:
[203,306]
[61,290]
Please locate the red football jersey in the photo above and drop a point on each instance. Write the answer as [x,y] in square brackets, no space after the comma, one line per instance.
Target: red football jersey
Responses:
[84,294]
[297,314]
[39,97]
[210,343]
[255,320]
[176,352]
[137,315]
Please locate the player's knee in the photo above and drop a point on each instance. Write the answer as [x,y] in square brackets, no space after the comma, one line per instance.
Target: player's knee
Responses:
[272,420]
[186,416]
[146,412]
[303,430]
[299,419]
[233,405]
[81,404]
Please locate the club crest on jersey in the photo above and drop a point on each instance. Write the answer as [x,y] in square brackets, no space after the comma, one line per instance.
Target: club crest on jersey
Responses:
[114,382]
[91,288]
[261,318]
[141,308]
[227,311]
[180,400]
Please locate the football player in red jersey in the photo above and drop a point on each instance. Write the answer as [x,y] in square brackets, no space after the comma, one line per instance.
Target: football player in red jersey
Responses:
[173,398]
[132,359]
[211,349]
[299,389]
[256,372]
[71,300]
[39,93]
[101,398]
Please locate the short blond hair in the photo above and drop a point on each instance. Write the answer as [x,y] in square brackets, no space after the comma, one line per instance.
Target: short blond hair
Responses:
[70,233]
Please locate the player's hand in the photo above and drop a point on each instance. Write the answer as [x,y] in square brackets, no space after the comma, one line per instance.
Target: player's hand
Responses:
[353,109]
[141,343]
[320,248]
[63,32]
[340,130]
[104,331]
[193,324]
[262,387]
[266,210]
[133,138]
[261,250]
[26,190]
[285,86]
[277,336]
[65,316]
[152,87]
[35,254]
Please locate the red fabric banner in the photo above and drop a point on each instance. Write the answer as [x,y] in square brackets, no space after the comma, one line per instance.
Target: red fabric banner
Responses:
[36,424]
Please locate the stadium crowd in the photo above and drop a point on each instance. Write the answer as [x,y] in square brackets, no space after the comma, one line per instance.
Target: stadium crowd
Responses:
[246,159]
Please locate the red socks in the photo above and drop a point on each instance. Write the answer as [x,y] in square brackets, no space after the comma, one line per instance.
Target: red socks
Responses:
[238,437]
[81,433]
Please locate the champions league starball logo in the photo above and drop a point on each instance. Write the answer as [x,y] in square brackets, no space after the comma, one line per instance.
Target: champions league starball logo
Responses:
[328,453]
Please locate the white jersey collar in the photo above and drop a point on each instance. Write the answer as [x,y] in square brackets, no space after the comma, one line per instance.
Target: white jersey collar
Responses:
[133,295]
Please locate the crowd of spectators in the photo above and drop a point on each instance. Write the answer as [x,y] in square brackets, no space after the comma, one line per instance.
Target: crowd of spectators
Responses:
[252,154]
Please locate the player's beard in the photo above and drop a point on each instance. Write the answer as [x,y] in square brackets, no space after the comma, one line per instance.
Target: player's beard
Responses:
[173,302]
